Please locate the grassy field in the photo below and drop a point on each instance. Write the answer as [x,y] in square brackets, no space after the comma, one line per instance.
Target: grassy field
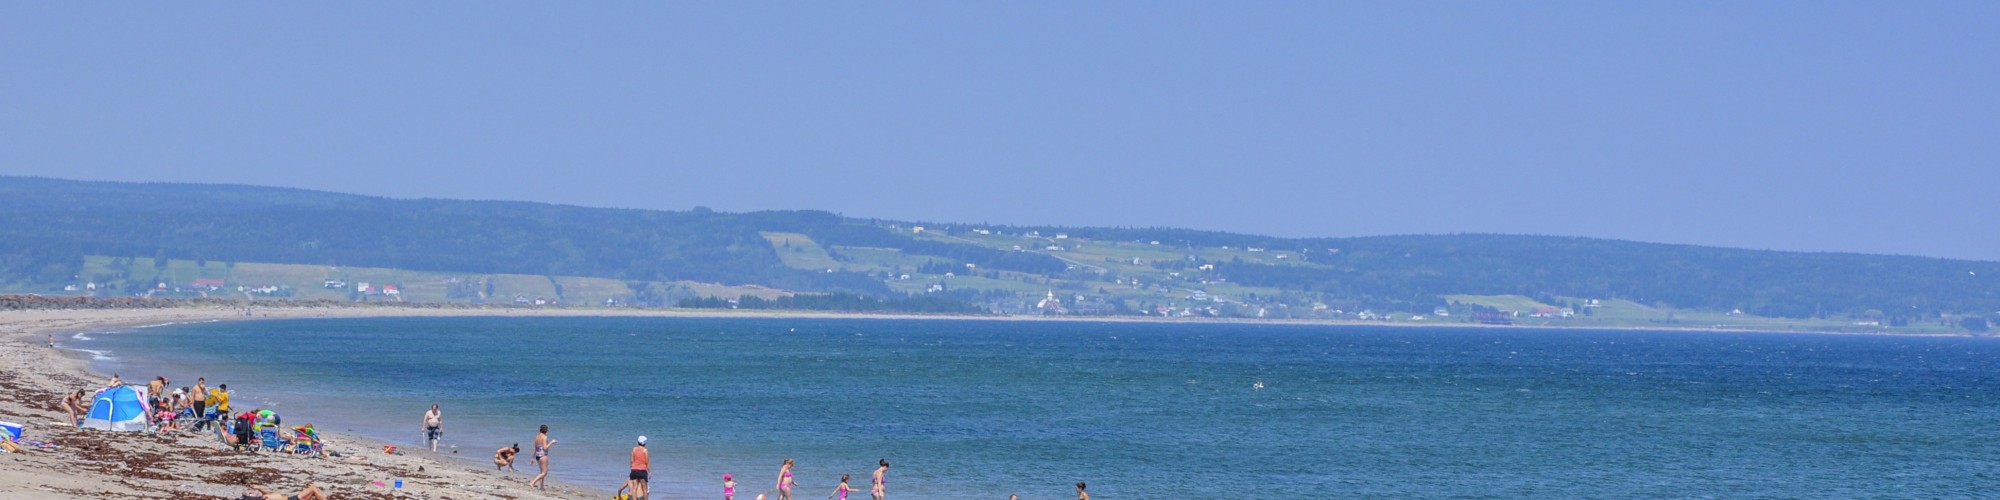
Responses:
[799,251]
[1500,302]
[869,259]
[307,282]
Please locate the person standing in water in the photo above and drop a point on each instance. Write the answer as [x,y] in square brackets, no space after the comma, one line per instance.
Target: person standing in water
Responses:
[841,490]
[785,480]
[542,444]
[881,487]
[728,487]
[434,426]
[641,467]
[1080,494]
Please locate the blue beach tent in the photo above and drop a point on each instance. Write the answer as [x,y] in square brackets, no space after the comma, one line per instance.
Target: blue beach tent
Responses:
[118,409]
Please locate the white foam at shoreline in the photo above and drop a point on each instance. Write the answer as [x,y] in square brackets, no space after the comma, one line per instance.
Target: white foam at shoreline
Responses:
[172,323]
[97,355]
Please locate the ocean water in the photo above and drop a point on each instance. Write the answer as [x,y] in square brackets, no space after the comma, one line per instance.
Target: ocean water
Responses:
[981,409]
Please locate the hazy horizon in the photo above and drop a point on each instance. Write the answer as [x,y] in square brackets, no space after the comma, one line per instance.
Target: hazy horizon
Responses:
[1861,128]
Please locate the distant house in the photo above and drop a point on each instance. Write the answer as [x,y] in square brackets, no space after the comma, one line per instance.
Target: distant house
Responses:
[1062,236]
[916,230]
[391,290]
[363,287]
[336,284]
[208,283]
[1441,312]
[522,300]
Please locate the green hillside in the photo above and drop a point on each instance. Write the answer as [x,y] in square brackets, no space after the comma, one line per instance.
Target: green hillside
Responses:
[140,239]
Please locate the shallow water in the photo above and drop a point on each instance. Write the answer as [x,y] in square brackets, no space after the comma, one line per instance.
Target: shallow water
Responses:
[986,408]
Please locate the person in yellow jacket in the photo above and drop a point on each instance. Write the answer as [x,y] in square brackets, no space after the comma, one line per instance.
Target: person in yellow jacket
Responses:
[218,398]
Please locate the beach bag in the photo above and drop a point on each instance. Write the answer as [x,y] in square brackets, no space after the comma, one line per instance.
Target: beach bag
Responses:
[11,431]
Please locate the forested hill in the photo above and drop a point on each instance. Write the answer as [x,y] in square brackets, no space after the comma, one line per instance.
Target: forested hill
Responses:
[47,226]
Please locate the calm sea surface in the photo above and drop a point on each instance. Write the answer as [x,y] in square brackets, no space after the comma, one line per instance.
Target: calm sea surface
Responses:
[981,409]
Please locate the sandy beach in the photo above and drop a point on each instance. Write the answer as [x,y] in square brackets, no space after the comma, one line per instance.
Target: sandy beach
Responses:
[190,465]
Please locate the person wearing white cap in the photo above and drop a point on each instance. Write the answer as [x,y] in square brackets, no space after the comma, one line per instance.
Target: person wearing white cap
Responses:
[641,462]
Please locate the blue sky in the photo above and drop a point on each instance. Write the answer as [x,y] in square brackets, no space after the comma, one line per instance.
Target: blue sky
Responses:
[1825,126]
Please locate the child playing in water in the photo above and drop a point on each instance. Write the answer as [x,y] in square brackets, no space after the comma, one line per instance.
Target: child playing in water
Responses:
[729,488]
[842,489]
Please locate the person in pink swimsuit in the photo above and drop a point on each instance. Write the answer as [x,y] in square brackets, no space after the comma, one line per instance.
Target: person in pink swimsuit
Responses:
[785,481]
[841,490]
[728,487]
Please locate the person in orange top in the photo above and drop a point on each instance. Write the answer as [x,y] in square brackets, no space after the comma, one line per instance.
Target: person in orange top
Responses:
[641,462]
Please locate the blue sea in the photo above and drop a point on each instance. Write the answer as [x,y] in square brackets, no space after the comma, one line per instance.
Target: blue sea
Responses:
[981,409]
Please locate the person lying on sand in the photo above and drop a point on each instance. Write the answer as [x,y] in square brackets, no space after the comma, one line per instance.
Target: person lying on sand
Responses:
[259,493]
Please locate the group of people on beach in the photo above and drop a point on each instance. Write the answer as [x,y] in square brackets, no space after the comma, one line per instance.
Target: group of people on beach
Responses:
[202,408]
[638,479]
[206,408]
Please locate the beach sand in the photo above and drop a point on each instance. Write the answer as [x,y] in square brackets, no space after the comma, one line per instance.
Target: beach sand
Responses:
[190,465]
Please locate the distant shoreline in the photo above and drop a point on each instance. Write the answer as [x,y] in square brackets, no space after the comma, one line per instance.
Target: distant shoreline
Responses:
[233,311]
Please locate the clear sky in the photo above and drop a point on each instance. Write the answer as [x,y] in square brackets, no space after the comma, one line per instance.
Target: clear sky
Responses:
[1836,126]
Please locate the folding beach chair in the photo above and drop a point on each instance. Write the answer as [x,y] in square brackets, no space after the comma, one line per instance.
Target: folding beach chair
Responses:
[305,441]
[269,438]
